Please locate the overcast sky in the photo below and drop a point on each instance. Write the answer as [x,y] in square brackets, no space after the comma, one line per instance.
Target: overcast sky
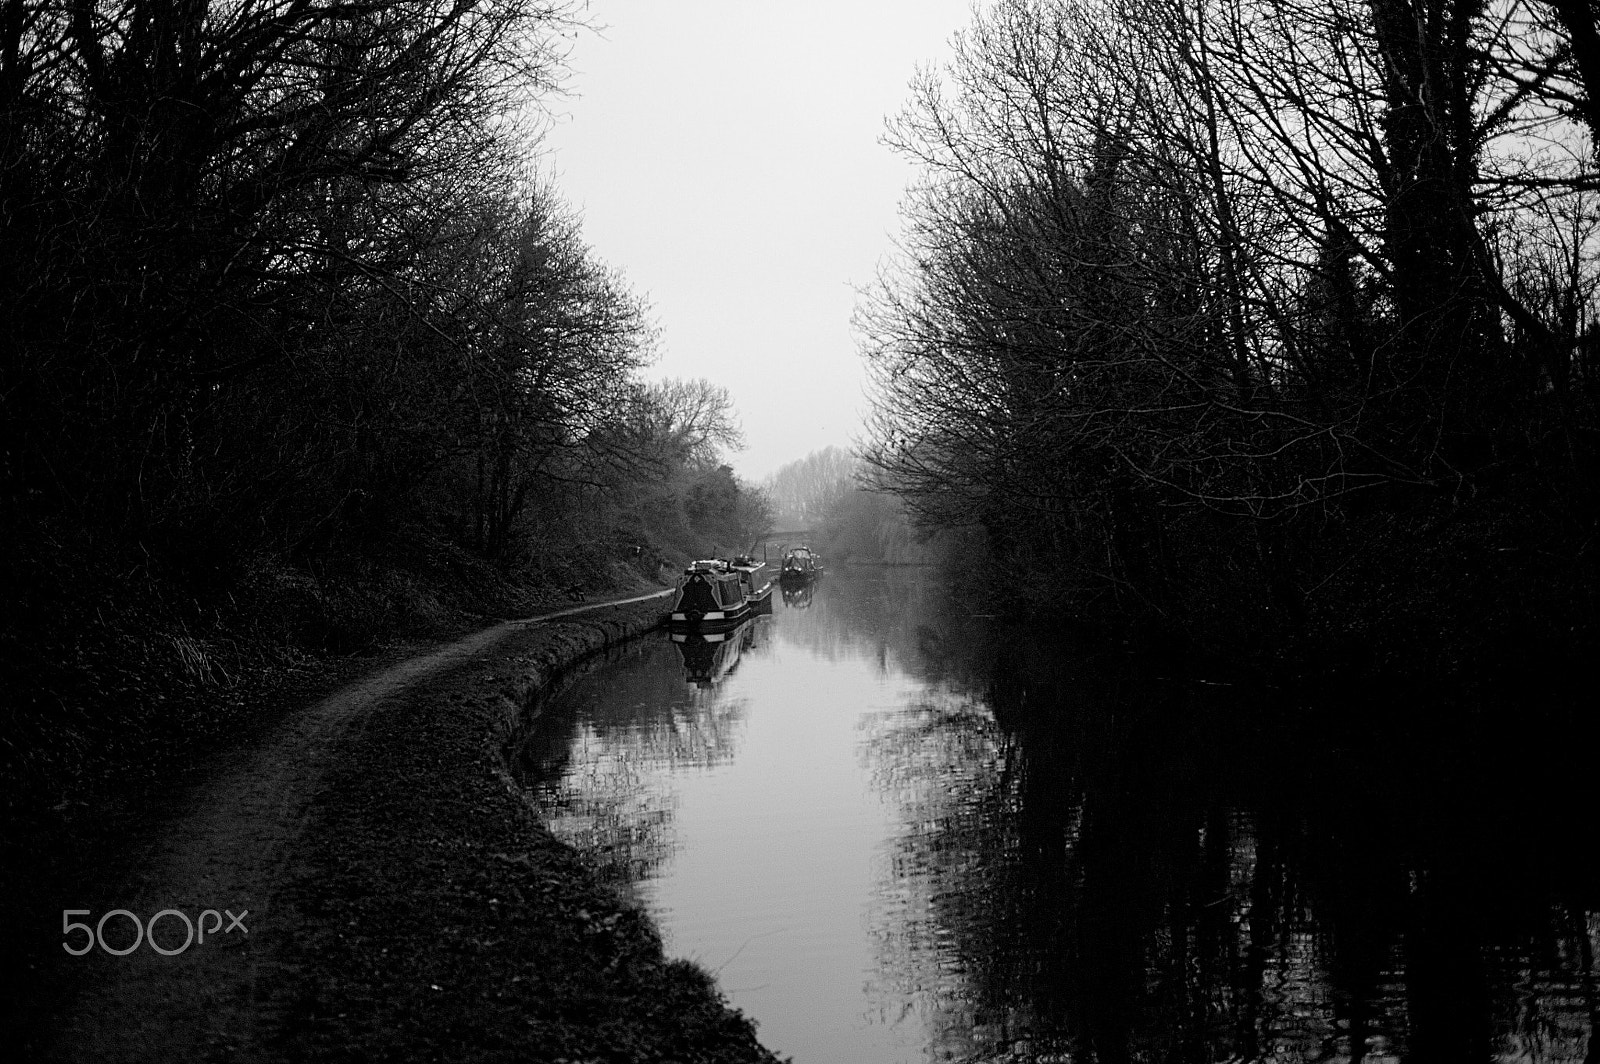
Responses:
[725,156]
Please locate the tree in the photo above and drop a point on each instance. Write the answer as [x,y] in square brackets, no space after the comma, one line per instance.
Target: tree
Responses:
[1183,279]
[208,208]
[659,479]
[805,490]
[559,341]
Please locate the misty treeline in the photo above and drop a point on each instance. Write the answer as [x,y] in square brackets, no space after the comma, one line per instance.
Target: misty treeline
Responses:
[826,494]
[1243,302]
[292,329]
[806,490]
[277,279]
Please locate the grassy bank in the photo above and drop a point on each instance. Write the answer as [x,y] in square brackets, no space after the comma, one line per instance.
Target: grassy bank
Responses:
[119,675]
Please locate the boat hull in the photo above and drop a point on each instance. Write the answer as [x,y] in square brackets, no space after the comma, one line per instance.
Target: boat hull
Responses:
[710,619]
[714,595]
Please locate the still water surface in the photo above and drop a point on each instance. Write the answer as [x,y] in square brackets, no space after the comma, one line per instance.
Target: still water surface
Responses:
[898,833]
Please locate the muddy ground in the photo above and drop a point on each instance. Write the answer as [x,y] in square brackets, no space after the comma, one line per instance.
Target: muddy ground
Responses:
[403,902]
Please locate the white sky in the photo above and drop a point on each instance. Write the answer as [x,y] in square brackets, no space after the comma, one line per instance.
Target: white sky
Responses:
[725,156]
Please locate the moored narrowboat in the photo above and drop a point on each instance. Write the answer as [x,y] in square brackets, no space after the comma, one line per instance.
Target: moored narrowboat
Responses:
[757,586]
[718,593]
[799,566]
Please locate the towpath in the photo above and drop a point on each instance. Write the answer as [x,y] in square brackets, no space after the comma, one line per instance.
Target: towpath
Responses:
[236,848]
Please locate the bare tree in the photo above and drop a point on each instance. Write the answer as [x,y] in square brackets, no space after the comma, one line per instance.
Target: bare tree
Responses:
[201,200]
[1183,275]
[805,490]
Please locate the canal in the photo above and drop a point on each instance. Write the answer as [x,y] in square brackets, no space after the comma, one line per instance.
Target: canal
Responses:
[899,831]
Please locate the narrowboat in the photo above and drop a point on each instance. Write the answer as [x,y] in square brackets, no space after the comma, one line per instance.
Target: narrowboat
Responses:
[719,594]
[799,566]
[757,587]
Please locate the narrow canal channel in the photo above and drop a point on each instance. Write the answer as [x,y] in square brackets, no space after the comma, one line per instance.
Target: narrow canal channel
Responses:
[897,833]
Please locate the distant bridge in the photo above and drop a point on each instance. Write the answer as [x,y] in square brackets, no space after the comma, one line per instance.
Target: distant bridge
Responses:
[794,537]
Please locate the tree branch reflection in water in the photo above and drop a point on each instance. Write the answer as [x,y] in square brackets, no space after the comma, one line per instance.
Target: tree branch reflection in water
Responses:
[1098,867]
[1060,854]
[945,765]
[600,760]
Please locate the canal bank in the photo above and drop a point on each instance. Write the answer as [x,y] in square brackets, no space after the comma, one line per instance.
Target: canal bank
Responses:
[405,903]
[445,922]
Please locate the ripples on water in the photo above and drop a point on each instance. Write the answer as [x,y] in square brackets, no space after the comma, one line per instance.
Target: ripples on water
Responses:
[898,835]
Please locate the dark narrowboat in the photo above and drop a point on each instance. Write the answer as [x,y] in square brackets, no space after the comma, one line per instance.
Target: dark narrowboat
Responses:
[799,566]
[717,593]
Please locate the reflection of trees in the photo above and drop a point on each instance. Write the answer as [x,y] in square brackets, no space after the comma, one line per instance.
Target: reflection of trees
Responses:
[1106,870]
[606,808]
[599,759]
[893,614]
[949,770]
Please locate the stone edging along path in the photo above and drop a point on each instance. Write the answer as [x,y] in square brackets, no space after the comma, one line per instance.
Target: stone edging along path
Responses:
[402,901]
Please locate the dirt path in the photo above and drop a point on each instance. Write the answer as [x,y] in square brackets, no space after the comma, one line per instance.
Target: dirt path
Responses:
[234,851]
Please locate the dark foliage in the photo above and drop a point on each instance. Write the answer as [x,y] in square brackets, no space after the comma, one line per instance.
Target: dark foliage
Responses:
[296,356]
[1257,320]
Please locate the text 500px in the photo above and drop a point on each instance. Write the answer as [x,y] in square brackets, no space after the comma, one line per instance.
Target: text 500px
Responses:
[193,932]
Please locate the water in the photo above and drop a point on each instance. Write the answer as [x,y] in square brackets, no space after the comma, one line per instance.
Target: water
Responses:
[900,833]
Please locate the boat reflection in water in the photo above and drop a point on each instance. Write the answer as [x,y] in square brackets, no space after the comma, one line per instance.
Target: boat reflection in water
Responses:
[797,596]
[603,757]
[708,657]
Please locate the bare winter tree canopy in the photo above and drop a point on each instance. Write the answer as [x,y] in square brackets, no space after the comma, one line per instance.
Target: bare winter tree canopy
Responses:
[276,274]
[805,490]
[1177,271]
